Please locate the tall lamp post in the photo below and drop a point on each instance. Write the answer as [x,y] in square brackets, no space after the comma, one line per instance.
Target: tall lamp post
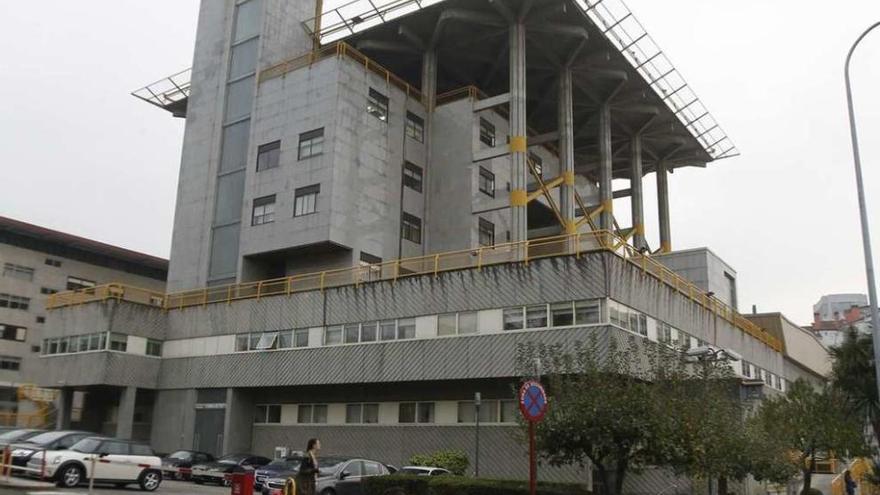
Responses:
[863,210]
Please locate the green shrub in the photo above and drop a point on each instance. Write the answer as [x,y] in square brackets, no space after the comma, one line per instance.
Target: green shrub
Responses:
[455,485]
[455,461]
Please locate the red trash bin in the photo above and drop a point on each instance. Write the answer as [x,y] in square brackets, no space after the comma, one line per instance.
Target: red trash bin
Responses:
[242,482]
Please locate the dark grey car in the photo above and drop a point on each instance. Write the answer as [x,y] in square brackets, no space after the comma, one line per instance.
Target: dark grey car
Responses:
[340,475]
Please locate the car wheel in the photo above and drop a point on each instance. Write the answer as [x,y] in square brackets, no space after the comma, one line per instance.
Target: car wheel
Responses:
[70,476]
[198,481]
[328,491]
[226,482]
[150,480]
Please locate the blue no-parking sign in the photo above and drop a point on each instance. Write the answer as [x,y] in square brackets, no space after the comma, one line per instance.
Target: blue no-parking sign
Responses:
[532,401]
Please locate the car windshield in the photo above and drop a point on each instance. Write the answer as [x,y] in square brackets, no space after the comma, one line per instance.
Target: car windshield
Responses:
[12,436]
[284,464]
[183,455]
[232,458]
[87,445]
[412,470]
[48,437]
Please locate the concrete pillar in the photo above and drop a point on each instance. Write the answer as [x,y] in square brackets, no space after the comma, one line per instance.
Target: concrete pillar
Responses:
[429,95]
[606,194]
[429,79]
[239,422]
[566,150]
[518,130]
[638,211]
[125,412]
[663,207]
[65,405]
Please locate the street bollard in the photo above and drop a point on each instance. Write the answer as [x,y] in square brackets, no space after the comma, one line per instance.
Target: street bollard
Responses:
[92,476]
[7,462]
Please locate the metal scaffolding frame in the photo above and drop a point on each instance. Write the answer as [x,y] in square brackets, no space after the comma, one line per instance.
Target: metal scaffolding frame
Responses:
[169,93]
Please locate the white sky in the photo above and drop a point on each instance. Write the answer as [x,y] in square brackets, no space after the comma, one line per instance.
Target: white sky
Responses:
[81,155]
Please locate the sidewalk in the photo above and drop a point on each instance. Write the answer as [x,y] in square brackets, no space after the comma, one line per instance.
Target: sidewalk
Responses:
[17,484]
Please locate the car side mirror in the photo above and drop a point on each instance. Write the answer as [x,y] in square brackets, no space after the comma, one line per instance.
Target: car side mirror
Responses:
[103,454]
[345,474]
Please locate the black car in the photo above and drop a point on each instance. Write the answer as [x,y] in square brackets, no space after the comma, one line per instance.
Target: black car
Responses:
[215,472]
[50,440]
[279,468]
[183,459]
[18,435]
[339,475]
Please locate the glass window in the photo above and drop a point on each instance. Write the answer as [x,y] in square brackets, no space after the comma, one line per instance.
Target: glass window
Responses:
[254,340]
[268,340]
[13,332]
[415,127]
[96,342]
[235,146]
[352,333]
[301,337]
[425,412]
[304,414]
[372,469]
[371,414]
[17,271]
[406,412]
[333,335]
[268,156]
[369,331]
[247,20]
[244,59]
[285,339]
[224,249]
[446,324]
[319,414]
[264,210]
[487,182]
[260,413]
[141,450]
[77,283]
[486,232]
[311,144]
[618,316]
[406,328]
[412,176]
[353,413]
[51,262]
[536,316]
[388,329]
[305,200]
[239,98]
[241,342]
[466,412]
[118,342]
[411,228]
[467,322]
[664,333]
[487,132]
[513,318]
[377,105]
[114,448]
[561,314]
[154,348]
[509,411]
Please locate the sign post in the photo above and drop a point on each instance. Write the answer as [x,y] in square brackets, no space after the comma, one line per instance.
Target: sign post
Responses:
[533,406]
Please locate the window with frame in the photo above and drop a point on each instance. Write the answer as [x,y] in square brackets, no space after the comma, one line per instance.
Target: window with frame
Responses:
[154,347]
[311,144]
[41,319]
[264,210]
[377,105]
[487,132]
[514,318]
[487,182]
[388,330]
[268,156]
[369,331]
[746,369]
[18,271]
[311,414]
[268,341]
[486,232]
[301,337]
[509,411]
[13,332]
[415,127]
[562,314]
[267,414]
[467,411]
[538,163]
[664,333]
[536,316]
[415,412]
[412,176]
[47,291]
[411,228]
[305,200]
[14,302]
[77,283]
[333,335]
[53,262]
[9,363]
[406,328]
[362,413]
[587,312]
[118,342]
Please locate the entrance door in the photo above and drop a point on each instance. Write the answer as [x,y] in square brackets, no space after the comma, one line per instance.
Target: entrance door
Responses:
[208,435]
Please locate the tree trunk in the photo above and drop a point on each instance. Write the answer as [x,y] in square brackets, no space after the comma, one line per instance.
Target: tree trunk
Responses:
[808,472]
[612,479]
[722,486]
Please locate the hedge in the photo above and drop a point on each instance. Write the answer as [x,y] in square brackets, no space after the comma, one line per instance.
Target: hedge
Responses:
[455,485]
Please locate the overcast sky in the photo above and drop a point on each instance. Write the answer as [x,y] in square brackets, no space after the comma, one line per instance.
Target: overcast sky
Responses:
[79,154]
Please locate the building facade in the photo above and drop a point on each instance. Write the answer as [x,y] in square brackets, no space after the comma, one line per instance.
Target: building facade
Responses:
[36,263]
[836,314]
[376,207]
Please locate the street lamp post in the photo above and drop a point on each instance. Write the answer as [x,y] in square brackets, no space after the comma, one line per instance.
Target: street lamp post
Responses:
[863,210]
[477,403]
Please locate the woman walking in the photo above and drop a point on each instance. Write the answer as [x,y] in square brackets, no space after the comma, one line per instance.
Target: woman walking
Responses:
[308,469]
[849,482]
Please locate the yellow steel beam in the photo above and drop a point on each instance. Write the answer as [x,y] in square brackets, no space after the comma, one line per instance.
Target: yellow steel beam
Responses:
[546,192]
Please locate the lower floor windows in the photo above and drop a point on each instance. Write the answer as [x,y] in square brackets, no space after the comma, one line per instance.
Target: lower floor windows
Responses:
[13,332]
[559,314]
[9,363]
[154,348]
[267,414]
[362,413]
[491,411]
[77,343]
[415,412]
[311,414]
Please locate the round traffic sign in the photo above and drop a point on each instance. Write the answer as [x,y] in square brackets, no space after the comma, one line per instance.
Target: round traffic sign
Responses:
[532,401]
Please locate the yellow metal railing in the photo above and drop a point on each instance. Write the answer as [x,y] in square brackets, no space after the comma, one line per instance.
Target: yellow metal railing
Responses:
[433,264]
[859,469]
[339,50]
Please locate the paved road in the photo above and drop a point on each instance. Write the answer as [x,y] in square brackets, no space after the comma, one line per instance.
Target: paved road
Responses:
[168,487]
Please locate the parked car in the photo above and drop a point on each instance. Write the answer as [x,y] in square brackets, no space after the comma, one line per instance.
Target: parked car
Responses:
[339,475]
[172,463]
[279,468]
[50,440]
[18,435]
[122,462]
[423,471]
[215,472]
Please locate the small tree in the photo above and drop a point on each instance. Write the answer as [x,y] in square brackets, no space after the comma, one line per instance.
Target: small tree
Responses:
[853,376]
[455,461]
[807,422]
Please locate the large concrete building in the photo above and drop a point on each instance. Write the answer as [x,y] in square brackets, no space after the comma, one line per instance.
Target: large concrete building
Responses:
[378,204]
[36,263]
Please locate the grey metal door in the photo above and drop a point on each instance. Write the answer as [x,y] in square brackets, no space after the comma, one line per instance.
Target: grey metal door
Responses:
[208,435]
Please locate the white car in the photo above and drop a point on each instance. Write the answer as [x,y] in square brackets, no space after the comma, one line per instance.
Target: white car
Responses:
[423,471]
[116,462]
